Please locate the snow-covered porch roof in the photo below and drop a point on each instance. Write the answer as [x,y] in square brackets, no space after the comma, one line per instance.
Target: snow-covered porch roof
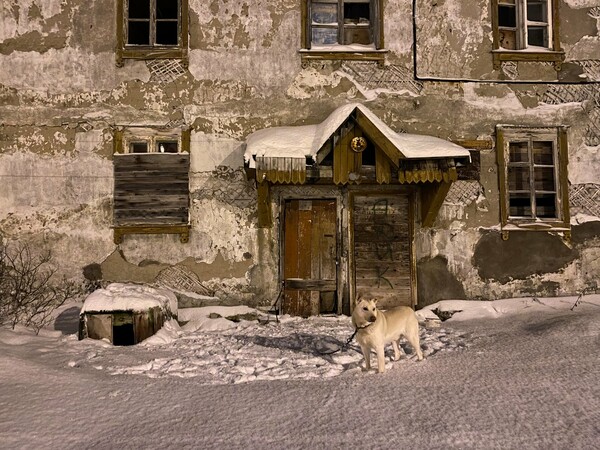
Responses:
[352,145]
[281,154]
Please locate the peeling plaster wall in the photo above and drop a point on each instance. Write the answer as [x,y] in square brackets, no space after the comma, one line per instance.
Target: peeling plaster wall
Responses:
[63,96]
[454,39]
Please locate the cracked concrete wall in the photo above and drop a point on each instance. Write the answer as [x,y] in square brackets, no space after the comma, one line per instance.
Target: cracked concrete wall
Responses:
[64,95]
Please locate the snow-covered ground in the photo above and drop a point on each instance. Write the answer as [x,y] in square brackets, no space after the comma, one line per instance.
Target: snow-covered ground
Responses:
[518,373]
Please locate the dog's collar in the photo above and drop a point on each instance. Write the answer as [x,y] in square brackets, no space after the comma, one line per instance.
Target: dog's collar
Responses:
[365,326]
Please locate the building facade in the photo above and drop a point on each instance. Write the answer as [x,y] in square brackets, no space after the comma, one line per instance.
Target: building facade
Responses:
[311,151]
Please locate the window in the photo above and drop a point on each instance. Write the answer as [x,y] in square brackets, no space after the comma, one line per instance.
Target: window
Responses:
[342,29]
[151,182]
[526,30]
[152,29]
[533,178]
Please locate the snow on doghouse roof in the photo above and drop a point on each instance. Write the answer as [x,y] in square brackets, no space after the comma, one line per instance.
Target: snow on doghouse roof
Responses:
[306,140]
[129,297]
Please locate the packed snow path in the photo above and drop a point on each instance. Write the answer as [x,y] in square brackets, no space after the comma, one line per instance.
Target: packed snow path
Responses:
[526,380]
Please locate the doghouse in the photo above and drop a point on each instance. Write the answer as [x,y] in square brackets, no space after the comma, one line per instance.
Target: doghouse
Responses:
[125,314]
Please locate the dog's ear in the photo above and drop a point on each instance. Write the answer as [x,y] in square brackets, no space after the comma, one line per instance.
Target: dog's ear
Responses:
[375,301]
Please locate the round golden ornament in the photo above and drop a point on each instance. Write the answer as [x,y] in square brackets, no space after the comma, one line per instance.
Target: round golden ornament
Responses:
[358,144]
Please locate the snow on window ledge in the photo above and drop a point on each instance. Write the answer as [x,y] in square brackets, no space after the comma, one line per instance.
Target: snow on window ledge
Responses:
[338,48]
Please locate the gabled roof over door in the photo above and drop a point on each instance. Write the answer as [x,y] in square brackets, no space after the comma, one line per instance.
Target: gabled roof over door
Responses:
[285,155]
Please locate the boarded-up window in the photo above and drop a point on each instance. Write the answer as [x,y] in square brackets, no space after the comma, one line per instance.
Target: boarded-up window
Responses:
[382,255]
[151,189]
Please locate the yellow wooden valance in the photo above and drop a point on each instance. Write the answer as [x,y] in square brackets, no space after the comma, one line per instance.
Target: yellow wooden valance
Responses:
[281,169]
[427,171]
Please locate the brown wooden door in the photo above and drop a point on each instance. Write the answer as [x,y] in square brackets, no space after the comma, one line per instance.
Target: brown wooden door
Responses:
[310,255]
[382,249]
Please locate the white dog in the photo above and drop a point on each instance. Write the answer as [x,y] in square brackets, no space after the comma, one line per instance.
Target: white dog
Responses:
[376,328]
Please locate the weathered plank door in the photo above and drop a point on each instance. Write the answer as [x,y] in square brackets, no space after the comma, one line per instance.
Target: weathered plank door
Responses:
[382,249]
[310,255]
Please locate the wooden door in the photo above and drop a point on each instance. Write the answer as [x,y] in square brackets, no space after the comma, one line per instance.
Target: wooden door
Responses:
[310,257]
[382,240]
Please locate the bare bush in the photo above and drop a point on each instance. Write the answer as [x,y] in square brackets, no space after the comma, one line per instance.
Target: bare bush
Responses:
[28,293]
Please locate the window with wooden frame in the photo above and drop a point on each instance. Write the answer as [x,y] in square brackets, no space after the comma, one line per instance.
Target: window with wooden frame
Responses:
[526,30]
[152,29]
[342,29]
[151,182]
[533,178]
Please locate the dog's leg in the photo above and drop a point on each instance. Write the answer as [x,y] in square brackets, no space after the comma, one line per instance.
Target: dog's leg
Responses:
[366,351]
[413,339]
[380,359]
[396,350]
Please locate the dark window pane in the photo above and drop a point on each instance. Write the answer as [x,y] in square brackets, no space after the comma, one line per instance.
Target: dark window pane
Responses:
[138,147]
[356,13]
[139,9]
[537,36]
[324,36]
[545,205]
[324,13]
[518,152]
[138,33]
[543,153]
[357,35]
[166,33]
[544,178]
[518,178]
[368,155]
[167,9]
[536,11]
[519,205]
[167,147]
[507,16]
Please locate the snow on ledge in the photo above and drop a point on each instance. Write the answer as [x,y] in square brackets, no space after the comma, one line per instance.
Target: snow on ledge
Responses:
[129,297]
[488,309]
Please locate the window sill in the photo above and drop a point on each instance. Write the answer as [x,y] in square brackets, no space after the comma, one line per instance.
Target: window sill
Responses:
[345,53]
[500,55]
[182,230]
[145,53]
[556,227]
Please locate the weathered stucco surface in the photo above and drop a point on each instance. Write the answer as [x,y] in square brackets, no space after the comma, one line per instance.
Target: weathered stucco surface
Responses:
[62,96]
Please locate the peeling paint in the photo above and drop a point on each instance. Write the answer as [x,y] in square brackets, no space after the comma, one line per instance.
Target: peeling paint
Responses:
[63,97]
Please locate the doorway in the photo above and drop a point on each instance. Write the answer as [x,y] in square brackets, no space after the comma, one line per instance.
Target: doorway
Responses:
[310,256]
[122,330]
[382,241]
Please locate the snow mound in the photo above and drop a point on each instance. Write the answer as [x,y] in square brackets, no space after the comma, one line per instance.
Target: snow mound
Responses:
[129,297]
